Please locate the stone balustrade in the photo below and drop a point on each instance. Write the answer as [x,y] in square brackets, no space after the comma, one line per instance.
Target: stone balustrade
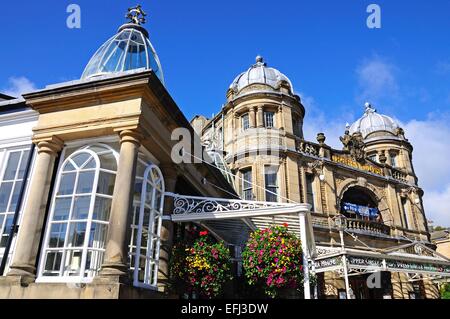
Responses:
[308,148]
[399,175]
[366,226]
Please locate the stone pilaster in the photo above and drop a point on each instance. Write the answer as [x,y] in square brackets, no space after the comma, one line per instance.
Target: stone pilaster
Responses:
[260,116]
[115,258]
[30,230]
[252,117]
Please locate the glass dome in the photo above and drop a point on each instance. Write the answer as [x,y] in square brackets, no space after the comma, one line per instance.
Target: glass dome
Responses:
[129,49]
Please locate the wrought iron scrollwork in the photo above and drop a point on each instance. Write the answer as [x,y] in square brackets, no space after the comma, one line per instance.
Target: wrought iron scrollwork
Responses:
[201,205]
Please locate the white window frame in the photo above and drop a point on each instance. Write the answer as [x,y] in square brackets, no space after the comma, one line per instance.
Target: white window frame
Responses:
[269,119]
[271,169]
[4,159]
[153,245]
[81,278]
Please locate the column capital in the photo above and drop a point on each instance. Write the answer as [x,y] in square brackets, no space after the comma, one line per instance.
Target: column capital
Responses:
[130,135]
[260,107]
[51,145]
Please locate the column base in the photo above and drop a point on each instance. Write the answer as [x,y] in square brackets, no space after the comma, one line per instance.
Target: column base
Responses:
[26,274]
[117,273]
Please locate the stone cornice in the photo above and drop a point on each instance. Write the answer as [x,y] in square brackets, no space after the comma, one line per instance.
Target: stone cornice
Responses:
[85,93]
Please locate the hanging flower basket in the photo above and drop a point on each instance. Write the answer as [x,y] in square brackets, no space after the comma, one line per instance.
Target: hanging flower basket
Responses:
[272,259]
[201,269]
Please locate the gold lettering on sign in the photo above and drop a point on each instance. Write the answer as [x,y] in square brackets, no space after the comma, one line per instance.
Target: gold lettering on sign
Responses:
[354,164]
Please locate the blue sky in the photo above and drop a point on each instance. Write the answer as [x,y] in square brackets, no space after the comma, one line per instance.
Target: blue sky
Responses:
[334,61]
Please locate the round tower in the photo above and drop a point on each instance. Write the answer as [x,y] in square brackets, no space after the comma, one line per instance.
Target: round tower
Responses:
[263,118]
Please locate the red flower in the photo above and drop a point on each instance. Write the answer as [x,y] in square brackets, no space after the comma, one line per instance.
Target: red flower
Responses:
[203,233]
[286,225]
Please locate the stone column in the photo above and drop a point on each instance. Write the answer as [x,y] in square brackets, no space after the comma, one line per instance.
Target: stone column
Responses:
[260,116]
[30,230]
[252,117]
[115,258]
[170,176]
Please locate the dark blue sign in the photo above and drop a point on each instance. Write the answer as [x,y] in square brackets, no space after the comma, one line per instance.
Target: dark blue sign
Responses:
[361,210]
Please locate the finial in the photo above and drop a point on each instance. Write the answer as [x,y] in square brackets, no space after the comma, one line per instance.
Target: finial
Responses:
[259,59]
[347,126]
[136,15]
[369,108]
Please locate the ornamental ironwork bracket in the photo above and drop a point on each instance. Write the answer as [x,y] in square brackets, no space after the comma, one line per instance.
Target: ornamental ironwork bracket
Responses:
[193,208]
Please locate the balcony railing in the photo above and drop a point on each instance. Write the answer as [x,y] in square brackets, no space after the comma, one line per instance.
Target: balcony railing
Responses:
[399,175]
[365,226]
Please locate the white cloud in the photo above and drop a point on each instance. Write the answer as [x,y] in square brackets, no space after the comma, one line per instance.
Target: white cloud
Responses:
[376,81]
[437,207]
[18,86]
[430,139]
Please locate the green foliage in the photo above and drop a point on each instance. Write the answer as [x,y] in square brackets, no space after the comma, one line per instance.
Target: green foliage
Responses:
[272,259]
[445,291]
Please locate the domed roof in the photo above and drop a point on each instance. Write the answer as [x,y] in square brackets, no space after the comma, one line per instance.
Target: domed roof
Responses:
[259,73]
[129,49]
[371,122]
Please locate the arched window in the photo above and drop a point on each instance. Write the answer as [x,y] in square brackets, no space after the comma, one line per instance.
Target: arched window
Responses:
[79,216]
[359,203]
[149,222]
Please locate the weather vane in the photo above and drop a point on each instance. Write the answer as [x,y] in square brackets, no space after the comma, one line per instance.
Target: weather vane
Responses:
[136,15]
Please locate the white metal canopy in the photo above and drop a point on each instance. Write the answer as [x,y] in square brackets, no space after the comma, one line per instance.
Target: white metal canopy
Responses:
[414,259]
[204,209]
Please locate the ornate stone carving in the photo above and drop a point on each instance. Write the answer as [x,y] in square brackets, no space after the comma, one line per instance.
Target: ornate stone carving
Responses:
[316,166]
[321,138]
[362,182]
[354,144]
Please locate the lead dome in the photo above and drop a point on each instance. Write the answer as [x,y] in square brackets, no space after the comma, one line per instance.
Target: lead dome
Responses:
[260,73]
[372,122]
